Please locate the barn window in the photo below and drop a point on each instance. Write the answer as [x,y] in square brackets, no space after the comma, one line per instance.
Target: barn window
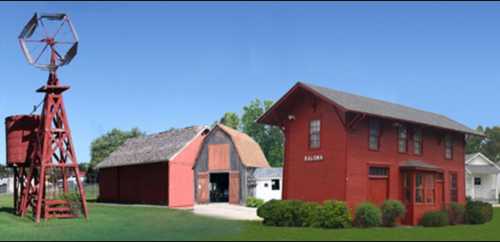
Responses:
[314,133]
[373,141]
[448,147]
[419,188]
[417,141]
[453,187]
[275,184]
[402,139]
[378,171]
[477,181]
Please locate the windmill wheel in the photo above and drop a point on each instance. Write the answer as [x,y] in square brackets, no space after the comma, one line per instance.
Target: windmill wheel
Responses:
[49,41]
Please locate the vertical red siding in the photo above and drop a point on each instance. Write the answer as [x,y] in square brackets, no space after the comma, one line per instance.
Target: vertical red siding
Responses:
[314,180]
[343,173]
[181,175]
[146,184]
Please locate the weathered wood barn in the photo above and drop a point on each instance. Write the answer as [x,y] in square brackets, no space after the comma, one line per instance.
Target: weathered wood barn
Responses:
[225,166]
[353,148]
[156,169]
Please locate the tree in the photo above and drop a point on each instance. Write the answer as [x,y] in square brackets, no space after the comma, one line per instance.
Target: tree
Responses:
[489,145]
[5,171]
[269,138]
[103,146]
[231,119]
[474,142]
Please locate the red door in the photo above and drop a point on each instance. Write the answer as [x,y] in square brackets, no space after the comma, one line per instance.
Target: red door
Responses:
[439,193]
[234,187]
[202,187]
[378,190]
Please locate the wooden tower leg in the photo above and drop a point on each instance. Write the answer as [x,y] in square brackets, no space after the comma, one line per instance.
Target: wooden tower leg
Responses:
[40,195]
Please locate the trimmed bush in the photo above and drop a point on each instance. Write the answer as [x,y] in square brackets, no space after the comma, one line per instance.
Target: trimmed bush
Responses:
[435,219]
[309,213]
[334,214]
[367,215]
[456,213]
[253,202]
[282,213]
[392,210]
[477,212]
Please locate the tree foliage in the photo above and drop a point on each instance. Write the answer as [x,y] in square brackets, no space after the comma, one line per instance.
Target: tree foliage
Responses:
[231,119]
[270,138]
[4,171]
[103,146]
[489,146]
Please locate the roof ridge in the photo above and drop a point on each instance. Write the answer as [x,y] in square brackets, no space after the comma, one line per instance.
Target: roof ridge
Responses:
[376,99]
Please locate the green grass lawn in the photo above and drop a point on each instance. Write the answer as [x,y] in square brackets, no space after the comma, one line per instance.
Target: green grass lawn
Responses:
[146,223]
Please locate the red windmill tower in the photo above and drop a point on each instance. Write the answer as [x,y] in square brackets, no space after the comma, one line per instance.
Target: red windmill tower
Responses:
[39,147]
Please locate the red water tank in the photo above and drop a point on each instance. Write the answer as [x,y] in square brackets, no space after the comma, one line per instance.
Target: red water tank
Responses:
[20,133]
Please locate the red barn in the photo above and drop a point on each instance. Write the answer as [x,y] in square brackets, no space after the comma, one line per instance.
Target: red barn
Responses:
[347,147]
[156,169]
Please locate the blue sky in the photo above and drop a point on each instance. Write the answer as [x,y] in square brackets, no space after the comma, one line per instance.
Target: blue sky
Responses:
[161,65]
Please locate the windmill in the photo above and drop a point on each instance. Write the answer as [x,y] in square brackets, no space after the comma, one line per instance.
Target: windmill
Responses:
[40,147]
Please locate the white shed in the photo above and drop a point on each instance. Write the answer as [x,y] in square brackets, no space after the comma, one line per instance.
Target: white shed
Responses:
[269,183]
[482,178]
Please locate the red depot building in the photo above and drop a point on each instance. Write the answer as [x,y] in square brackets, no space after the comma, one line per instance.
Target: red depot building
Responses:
[352,148]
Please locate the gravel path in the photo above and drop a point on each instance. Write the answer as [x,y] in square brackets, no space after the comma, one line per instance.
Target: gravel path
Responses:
[226,211]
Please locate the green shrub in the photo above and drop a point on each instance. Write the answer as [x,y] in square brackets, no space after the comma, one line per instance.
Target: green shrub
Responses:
[367,215]
[477,212]
[282,213]
[392,210]
[253,202]
[334,214]
[309,213]
[498,197]
[456,213]
[434,219]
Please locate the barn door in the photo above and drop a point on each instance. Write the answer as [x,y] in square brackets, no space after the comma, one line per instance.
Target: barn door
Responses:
[202,189]
[234,187]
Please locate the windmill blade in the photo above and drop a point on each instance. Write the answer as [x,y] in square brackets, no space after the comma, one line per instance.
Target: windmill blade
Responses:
[29,28]
[71,53]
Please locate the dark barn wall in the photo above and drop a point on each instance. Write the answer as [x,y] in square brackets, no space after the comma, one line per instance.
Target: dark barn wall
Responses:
[142,184]
[217,136]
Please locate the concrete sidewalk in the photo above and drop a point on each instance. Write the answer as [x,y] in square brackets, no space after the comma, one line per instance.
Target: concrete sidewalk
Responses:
[226,211]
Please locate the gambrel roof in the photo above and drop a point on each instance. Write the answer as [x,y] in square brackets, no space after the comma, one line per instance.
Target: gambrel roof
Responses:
[370,106]
[250,152]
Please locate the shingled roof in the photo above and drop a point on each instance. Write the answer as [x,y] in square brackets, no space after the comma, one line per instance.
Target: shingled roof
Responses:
[250,153]
[160,147]
[355,103]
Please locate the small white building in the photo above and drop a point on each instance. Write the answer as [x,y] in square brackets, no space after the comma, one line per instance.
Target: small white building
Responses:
[269,183]
[482,178]
[7,185]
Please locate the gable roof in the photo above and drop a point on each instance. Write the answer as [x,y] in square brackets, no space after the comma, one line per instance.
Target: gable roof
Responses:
[491,168]
[366,105]
[250,152]
[160,147]
[272,172]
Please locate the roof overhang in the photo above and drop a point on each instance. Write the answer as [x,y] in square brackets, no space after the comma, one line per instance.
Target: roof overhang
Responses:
[415,165]
[270,117]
